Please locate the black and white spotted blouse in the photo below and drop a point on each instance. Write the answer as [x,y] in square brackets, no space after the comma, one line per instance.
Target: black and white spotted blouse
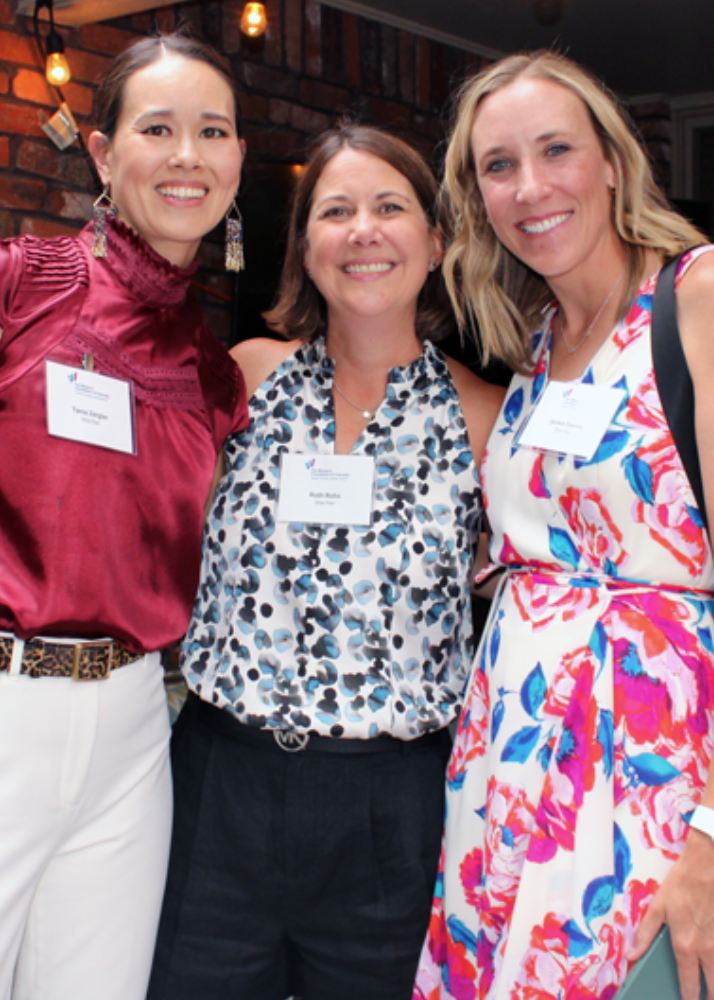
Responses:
[341,630]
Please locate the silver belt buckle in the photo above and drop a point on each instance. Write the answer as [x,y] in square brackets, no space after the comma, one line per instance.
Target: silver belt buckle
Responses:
[289,741]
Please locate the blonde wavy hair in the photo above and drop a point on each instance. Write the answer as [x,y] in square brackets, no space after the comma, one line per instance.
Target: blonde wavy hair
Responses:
[487,284]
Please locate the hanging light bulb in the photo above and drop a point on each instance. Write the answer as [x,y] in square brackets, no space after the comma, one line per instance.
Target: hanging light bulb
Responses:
[56,67]
[253,21]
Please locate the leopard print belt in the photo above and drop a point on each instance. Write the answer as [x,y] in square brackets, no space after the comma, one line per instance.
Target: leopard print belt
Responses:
[82,661]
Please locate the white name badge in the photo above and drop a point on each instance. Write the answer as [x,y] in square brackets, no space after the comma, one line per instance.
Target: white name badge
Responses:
[571,418]
[88,407]
[326,489]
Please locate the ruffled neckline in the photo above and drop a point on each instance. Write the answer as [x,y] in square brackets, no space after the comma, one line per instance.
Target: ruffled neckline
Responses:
[150,278]
[424,365]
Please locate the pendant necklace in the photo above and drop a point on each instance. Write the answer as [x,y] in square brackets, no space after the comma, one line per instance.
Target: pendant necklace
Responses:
[572,348]
[367,414]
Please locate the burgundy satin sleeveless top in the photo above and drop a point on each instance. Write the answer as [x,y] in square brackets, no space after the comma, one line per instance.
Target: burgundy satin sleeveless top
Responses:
[95,542]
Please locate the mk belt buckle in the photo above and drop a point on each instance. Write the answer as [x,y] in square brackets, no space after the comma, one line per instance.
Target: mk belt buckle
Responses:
[289,741]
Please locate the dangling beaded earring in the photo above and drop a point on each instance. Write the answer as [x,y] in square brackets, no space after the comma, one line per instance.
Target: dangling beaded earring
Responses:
[234,258]
[102,207]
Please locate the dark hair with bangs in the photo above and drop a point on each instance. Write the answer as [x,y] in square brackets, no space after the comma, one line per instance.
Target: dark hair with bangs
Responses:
[300,310]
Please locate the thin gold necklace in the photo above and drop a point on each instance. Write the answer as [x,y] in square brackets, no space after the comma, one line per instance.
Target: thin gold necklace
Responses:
[367,414]
[572,348]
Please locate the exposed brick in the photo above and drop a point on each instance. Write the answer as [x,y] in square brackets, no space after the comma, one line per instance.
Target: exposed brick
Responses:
[389,61]
[273,34]
[7,225]
[230,27]
[20,192]
[161,18]
[422,67]
[313,38]
[29,85]
[46,160]
[323,95]
[387,113]
[7,12]
[351,49]
[36,226]
[70,204]
[406,66]
[274,81]
[369,56]
[105,38]
[285,113]
[20,119]
[4,82]
[18,49]
[293,34]
[254,106]
[4,151]
[275,144]
[87,66]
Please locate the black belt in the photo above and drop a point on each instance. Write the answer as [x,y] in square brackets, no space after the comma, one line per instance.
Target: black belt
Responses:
[221,721]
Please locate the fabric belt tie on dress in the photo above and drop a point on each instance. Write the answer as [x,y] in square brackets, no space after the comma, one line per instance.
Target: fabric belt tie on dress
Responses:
[219,720]
[82,661]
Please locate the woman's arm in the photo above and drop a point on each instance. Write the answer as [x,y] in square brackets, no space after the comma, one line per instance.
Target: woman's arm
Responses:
[480,403]
[685,900]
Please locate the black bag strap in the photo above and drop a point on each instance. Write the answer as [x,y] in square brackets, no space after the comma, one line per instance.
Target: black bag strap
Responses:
[674,383]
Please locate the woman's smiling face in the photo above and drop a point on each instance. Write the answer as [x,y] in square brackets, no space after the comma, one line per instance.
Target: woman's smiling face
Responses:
[369,244]
[174,162]
[543,176]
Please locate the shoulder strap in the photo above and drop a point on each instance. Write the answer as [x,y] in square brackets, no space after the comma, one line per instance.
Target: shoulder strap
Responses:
[673,380]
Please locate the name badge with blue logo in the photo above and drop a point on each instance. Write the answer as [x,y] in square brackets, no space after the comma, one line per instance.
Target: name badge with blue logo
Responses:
[326,489]
[94,409]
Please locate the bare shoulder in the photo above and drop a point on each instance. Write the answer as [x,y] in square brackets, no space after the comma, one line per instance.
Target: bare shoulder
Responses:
[480,403]
[695,306]
[260,356]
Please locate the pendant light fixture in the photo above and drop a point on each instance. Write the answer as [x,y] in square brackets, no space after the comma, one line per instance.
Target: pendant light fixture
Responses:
[57,69]
[253,20]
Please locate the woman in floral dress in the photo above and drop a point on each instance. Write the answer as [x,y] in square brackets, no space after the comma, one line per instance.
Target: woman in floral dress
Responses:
[584,746]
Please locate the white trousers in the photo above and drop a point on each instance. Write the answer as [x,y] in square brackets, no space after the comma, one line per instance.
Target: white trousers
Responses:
[85,817]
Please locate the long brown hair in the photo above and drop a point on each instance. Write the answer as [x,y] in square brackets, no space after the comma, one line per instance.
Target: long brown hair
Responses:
[300,310]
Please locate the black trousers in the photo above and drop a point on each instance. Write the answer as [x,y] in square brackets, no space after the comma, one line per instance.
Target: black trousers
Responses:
[303,873]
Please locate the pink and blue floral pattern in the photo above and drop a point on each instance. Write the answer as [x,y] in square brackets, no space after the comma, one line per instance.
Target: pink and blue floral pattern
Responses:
[586,734]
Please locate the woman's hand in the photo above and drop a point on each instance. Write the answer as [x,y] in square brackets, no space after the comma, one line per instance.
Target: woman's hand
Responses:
[685,902]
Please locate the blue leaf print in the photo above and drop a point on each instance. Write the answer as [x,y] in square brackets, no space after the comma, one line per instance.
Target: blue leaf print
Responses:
[612,442]
[520,745]
[513,408]
[598,642]
[538,381]
[597,898]
[705,637]
[630,661]
[695,516]
[533,691]
[461,934]
[579,943]
[507,836]
[545,752]
[495,640]
[653,770]
[606,739]
[499,710]
[562,547]
[623,859]
[639,476]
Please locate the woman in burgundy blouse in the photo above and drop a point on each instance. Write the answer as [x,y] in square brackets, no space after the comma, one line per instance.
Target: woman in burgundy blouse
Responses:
[114,404]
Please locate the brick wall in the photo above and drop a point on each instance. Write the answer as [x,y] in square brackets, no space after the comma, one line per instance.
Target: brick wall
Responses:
[313,65]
